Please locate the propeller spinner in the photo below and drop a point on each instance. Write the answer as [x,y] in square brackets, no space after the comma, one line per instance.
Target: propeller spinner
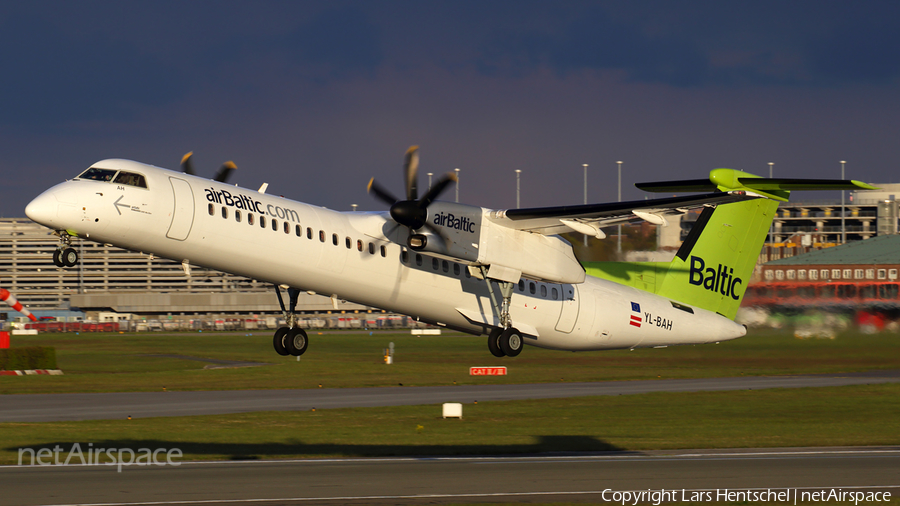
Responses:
[412,212]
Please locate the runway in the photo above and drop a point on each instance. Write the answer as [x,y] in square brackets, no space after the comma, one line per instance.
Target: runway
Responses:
[66,407]
[585,478]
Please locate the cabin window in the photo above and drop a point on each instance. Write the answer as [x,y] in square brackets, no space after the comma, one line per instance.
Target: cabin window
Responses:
[347,243]
[287,228]
[543,290]
[531,287]
[468,274]
[275,225]
[371,248]
[250,218]
[456,269]
[419,260]
[434,263]
[321,236]
[554,293]
[212,210]
[404,256]
[262,222]
[237,216]
[97,174]
[334,239]
[383,251]
[298,230]
[445,266]
[359,245]
[522,285]
[309,233]
[131,179]
[224,212]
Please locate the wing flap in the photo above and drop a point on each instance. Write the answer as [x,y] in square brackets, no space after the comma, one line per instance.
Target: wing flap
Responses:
[551,220]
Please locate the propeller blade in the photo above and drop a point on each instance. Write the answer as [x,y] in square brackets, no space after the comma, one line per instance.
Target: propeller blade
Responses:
[225,171]
[437,189]
[381,193]
[186,166]
[411,168]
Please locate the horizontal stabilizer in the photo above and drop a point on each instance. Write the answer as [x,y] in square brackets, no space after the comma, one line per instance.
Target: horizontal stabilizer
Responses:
[728,180]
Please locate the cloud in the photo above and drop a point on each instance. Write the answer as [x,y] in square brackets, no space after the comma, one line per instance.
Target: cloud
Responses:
[857,53]
[596,42]
[52,77]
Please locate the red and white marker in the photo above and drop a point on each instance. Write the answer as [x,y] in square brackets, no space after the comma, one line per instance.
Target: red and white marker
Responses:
[15,304]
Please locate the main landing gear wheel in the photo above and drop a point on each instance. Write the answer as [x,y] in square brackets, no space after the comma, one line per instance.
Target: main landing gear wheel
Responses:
[280,341]
[297,341]
[57,258]
[69,257]
[494,343]
[511,342]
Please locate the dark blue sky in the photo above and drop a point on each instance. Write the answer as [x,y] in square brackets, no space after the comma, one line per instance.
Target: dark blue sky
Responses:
[317,97]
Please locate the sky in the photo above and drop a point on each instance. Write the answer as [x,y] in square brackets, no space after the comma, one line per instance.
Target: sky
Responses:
[317,97]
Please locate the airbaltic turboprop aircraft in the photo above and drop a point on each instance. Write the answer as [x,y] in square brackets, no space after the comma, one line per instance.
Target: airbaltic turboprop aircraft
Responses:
[504,273]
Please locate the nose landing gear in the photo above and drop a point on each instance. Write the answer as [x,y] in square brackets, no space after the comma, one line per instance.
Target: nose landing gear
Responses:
[65,255]
[290,340]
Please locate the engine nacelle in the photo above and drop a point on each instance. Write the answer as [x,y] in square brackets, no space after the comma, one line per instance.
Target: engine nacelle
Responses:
[466,233]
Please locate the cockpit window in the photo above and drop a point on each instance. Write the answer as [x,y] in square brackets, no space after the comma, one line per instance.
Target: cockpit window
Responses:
[131,179]
[98,174]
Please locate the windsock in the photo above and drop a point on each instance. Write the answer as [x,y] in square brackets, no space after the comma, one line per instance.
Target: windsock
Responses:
[15,304]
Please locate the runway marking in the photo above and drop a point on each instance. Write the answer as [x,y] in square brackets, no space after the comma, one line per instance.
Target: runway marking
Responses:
[442,496]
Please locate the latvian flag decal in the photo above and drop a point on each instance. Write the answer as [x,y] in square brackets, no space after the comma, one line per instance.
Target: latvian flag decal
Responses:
[636,318]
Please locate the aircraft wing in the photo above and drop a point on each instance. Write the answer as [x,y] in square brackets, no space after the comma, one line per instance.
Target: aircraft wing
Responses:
[588,219]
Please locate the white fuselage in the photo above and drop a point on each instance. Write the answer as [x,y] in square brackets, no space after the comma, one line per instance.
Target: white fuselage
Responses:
[357,257]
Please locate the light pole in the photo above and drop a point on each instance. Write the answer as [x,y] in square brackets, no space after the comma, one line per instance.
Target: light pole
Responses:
[771,225]
[354,207]
[518,173]
[843,228]
[457,184]
[429,179]
[585,197]
[619,231]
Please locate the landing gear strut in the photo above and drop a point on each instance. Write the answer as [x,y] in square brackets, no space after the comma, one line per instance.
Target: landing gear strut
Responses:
[505,341]
[290,340]
[65,255]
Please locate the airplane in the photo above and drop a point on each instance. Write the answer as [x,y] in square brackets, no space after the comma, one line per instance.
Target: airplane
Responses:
[507,274]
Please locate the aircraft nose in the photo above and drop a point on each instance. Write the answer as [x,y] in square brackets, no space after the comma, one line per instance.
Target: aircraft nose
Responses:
[43,209]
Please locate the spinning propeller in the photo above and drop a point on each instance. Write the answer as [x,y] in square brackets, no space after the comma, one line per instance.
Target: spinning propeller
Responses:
[221,176]
[412,213]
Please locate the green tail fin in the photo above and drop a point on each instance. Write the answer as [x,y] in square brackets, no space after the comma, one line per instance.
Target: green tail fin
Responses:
[714,264]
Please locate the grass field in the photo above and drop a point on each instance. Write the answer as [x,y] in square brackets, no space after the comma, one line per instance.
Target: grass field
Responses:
[130,362]
[841,416]
[858,415]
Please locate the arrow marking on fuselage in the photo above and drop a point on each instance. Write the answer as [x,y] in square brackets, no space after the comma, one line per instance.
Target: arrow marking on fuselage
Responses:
[117,205]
